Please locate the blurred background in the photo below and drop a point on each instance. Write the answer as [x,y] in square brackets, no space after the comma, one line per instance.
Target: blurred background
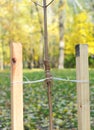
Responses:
[70,22]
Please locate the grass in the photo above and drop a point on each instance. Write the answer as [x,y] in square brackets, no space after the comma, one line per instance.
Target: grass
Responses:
[36,112]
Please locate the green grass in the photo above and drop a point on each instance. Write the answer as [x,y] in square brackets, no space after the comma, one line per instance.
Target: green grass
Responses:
[36,112]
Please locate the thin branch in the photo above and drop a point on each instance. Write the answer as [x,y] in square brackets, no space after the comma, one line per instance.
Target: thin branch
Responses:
[50,3]
[79,5]
[36,3]
[42,5]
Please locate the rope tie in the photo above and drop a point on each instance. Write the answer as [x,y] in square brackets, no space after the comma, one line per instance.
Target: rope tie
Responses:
[47,72]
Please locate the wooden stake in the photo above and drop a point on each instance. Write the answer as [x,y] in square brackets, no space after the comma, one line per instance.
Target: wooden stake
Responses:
[83,87]
[16,88]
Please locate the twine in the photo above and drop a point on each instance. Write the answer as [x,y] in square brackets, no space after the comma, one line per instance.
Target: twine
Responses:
[50,78]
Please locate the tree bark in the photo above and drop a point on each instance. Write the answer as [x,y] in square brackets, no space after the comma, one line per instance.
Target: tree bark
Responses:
[2,57]
[61,35]
[41,39]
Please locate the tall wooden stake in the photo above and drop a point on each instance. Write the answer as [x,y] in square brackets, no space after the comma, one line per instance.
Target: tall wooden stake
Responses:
[47,66]
[83,87]
[16,88]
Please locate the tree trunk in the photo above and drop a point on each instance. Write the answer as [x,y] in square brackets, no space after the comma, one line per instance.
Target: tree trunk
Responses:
[61,55]
[61,35]
[41,39]
[1,63]
[2,58]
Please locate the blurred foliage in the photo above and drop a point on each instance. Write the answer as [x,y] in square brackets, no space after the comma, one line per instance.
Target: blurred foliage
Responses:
[80,32]
[36,112]
[22,21]
[69,61]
